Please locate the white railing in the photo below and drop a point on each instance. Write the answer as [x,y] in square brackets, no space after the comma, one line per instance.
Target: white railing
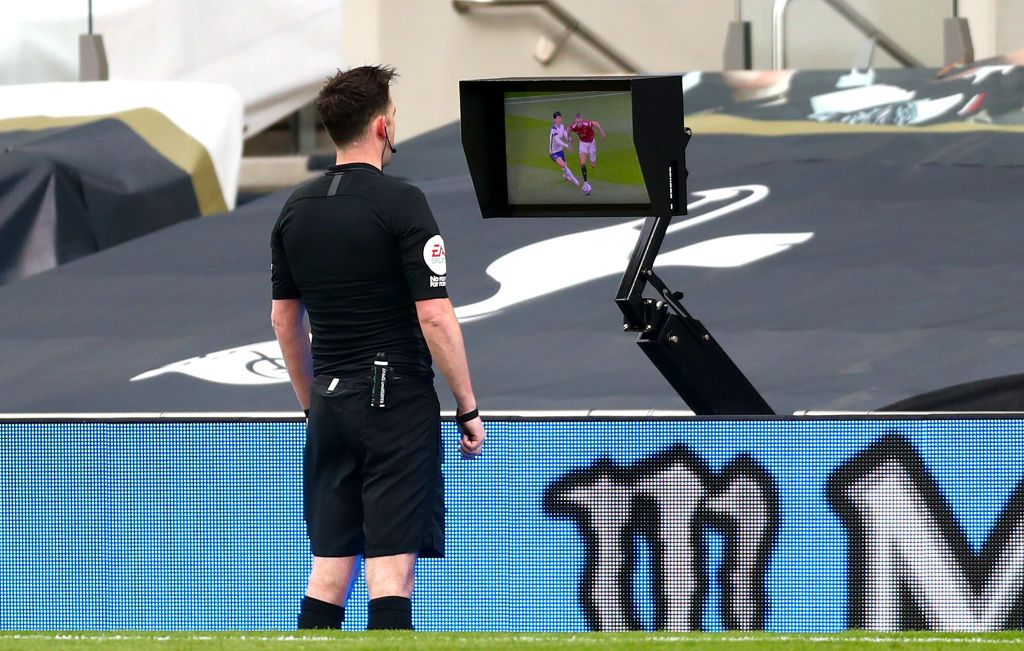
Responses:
[853,17]
[572,26]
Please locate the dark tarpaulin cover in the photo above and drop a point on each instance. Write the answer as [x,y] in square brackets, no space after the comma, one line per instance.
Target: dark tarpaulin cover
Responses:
[66,192]
[841,266]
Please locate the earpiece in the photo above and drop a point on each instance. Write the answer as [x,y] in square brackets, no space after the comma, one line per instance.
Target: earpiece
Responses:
[393,150]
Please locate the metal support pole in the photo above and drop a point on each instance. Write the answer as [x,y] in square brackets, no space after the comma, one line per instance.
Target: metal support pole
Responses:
[957,44]
[92,58]
[92,55]
[737,54]
[779,34]
[678,345]
[304,122]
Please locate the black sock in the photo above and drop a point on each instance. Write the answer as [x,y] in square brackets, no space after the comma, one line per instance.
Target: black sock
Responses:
[583,168]
[390,613]
[320,614]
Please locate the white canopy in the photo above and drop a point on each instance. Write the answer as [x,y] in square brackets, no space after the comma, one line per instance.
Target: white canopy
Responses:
[275,53]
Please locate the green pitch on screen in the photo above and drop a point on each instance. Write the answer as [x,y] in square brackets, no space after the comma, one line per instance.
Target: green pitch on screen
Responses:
[533,178]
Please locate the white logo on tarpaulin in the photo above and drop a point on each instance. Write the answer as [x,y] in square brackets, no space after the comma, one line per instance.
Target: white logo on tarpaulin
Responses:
[533,271]
[556,264]
[260,363]
[434,255]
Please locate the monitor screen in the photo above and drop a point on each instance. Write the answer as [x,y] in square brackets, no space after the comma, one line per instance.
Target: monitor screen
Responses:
[571,148]
[575,146]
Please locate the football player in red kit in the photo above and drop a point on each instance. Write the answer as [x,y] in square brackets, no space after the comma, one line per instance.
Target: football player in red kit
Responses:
[584,130]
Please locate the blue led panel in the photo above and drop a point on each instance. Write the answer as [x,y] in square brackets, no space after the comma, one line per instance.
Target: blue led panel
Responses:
[782,524]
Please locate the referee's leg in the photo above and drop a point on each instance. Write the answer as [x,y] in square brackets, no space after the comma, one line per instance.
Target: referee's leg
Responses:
[330,582]
[402,499]
[390,581]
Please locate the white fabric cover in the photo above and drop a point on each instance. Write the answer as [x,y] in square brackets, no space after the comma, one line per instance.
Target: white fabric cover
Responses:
[210,113]
[275,53]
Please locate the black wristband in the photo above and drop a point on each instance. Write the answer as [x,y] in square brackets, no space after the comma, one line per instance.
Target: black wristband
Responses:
[468,416]
[306,411]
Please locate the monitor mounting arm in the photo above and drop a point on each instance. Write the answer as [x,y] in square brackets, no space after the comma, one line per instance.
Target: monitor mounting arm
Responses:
[676,343]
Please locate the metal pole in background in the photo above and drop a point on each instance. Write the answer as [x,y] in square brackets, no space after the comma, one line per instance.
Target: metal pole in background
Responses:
[736,55]
[92,56]
[957,44]
[779,34]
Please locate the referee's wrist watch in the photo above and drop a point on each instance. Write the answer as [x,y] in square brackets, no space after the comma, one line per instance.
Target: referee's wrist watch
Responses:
[468,416]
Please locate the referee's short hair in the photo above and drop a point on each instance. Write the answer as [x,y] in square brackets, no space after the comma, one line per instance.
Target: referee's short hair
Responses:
[351,98]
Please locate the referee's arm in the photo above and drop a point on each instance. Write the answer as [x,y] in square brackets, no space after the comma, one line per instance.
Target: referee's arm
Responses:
[444,338]
[290,328]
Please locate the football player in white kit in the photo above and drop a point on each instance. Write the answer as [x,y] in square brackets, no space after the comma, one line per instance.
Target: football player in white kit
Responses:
[558,141]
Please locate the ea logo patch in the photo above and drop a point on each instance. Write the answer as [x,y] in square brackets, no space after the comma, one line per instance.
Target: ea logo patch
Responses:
[434,256]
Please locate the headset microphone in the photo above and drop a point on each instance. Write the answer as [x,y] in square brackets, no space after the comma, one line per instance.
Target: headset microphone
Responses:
[387,144]
[388,140]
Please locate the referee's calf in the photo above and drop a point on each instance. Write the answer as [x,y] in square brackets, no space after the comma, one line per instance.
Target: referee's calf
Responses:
[362,254]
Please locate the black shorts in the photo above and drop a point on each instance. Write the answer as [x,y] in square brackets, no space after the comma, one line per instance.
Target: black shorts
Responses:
[372,476]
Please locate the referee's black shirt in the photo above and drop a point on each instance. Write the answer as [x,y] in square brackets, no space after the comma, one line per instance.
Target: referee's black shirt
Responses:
[359,248]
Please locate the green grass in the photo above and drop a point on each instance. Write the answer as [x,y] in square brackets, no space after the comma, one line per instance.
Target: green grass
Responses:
[534,178]
[53,641]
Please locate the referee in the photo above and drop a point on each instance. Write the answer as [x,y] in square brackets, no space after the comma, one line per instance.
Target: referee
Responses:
[362,254]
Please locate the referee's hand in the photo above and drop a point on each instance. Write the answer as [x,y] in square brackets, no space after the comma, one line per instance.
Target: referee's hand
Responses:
[473,436]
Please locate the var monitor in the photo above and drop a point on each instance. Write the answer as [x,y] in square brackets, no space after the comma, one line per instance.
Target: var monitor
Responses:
[576,147]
